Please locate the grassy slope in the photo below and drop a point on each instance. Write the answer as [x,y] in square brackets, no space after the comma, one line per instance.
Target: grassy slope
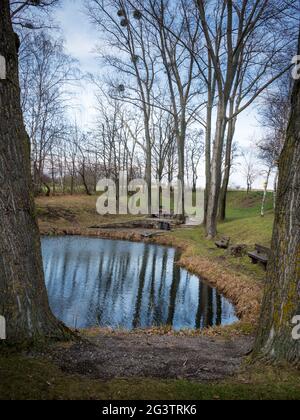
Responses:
[244,222]
[244,225]
[24,378]
[72,211]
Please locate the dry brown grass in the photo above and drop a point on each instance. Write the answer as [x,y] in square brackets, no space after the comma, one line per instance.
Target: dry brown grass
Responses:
[72,212]
[243,291]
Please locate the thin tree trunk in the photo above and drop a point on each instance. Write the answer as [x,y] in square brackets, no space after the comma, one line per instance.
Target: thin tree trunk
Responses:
[208,153]
[281,301]
[228,163]
[83,177]
[216,173]
[181,171]
[72,177]
[262,212]
[23,296]
[208,133]
[148,172]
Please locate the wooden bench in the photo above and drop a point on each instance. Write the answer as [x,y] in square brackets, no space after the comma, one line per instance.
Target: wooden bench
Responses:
[223,243]
[162,216]
[260,255]
[164,225]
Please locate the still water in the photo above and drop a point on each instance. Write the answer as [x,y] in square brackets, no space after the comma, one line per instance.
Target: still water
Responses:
[95,282]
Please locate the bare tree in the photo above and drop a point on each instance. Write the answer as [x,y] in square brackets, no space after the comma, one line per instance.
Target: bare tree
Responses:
[243,24]
[269,152]
[275,113]
[31,14]
[45,73]
[174,24]
[160,75]
[194,153]
[249,168]
[127,34]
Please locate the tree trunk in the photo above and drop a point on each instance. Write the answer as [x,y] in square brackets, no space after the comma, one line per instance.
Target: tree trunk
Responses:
[281,301]
[83,177]
[208,132]
[181,171]
[216,173]
[148,177]
[228,164]
[208,154]
[148,169]
[262,212]
[23,296]
[275,190]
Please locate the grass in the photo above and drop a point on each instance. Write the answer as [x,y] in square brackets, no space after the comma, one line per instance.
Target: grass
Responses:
[22,377]
[71,211]
[244,223]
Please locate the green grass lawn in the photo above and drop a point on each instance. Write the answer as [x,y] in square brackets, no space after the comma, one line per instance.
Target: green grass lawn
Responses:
[244,225]
[244,222]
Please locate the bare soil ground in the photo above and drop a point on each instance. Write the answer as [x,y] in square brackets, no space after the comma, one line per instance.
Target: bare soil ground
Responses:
[121,355]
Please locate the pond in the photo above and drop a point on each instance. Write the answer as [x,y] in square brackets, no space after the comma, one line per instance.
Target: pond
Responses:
[124,285]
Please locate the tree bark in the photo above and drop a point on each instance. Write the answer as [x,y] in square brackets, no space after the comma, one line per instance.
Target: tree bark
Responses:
[275,189]
[23,296]
[216,173]
[228,165]
[148,170]
[281,301]
[181,171]
[210,104]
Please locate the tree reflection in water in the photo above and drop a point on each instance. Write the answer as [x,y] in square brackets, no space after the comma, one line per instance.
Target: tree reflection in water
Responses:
[94,282]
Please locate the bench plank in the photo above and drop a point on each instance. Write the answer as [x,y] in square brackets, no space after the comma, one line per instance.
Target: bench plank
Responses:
[260,255]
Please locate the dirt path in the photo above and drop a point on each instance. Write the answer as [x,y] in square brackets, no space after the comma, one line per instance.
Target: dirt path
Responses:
[142,356]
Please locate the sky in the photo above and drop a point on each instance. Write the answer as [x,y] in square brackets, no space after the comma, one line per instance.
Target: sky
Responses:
[80,41]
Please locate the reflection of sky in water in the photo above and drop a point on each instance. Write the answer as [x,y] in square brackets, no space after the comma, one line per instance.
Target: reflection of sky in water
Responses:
[95,282]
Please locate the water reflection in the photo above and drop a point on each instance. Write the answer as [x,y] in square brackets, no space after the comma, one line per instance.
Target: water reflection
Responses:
[95,282]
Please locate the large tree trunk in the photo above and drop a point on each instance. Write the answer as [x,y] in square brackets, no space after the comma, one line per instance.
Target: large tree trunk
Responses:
[281,301]
[23,296]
